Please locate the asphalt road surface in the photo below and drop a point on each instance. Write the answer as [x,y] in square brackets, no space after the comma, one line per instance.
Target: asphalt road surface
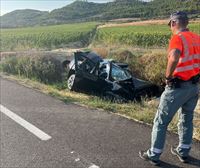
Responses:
[40,131]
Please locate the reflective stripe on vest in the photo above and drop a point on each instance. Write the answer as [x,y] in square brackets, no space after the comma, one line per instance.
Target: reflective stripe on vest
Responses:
[195,45]
[186,50]
[190,58]
[187,68]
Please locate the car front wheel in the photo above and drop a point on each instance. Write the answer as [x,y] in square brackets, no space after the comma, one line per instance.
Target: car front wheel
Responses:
[71,82]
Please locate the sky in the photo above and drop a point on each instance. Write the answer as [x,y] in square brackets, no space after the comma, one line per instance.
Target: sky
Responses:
[43,5]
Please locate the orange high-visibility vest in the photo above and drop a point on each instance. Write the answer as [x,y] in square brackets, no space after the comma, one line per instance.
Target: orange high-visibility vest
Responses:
[189,63]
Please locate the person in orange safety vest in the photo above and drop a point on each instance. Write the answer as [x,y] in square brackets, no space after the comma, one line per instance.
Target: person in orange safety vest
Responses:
[181,91]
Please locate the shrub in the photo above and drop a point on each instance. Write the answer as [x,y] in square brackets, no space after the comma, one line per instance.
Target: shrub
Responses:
[45,69]
[9,65]
[154,67]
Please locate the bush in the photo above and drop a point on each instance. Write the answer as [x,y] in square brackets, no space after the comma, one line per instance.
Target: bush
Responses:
[153,67]
[45,69]
[9,65]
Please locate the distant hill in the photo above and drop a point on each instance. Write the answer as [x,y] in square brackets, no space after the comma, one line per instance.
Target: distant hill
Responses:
[77,11]
[22,18]
[81,11]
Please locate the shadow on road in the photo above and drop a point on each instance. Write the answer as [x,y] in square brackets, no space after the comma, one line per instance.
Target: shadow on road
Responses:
[167,165]
[192,161]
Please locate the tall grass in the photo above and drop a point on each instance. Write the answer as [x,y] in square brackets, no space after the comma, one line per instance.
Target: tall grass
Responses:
[45,69]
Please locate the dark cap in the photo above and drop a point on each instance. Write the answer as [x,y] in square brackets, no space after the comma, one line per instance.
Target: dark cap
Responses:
[177,16]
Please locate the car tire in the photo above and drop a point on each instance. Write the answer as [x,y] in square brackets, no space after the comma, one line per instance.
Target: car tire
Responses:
[71,82]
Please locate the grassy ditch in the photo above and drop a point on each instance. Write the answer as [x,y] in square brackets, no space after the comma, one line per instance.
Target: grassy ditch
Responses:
[43,68]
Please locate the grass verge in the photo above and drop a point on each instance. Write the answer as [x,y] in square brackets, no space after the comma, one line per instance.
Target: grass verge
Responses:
[141,112]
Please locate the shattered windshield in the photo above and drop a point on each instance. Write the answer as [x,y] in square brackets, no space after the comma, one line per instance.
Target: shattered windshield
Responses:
[119,74]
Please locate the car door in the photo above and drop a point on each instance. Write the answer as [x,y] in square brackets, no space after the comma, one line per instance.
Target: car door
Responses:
[86,70]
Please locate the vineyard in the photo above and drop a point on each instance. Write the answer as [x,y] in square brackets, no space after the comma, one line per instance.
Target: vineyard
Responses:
[138,35]
[47,37]
[81,35]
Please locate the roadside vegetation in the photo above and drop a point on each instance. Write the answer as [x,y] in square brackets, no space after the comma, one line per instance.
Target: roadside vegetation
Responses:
[44,69]
[47,37]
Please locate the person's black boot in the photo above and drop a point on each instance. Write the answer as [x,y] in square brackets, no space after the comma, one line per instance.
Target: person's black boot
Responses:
[145,156]
[181,158]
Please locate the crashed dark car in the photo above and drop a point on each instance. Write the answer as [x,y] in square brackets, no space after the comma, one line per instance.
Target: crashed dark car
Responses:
[88,72]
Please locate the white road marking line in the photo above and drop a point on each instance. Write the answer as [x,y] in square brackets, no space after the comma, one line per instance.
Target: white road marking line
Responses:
[94,166]
[86,163]
[37,132]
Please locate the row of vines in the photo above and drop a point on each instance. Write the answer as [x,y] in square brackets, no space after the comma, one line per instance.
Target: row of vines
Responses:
[59,36]
[47,37]
[139,35]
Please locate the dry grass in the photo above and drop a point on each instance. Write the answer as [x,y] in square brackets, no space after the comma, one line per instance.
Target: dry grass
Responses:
[103,52]
[146,22]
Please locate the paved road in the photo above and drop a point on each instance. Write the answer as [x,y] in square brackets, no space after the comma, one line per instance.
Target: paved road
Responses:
[78,137]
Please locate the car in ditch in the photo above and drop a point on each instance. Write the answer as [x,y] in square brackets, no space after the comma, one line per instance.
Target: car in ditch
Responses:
[88,72]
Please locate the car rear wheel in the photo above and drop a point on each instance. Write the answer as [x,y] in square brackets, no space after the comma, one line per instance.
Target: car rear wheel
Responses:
[71,82]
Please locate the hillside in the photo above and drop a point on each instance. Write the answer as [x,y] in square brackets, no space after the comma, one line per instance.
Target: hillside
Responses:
[22,18]
[77,11]
[81,11]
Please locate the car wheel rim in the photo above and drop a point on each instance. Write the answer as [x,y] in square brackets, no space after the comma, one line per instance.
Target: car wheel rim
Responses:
[71,81]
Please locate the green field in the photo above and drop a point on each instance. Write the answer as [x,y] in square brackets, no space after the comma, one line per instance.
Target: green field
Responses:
[145,35]
[47,37]
[81,35]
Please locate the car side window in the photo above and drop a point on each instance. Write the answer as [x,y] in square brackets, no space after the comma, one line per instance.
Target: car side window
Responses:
[86,65]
